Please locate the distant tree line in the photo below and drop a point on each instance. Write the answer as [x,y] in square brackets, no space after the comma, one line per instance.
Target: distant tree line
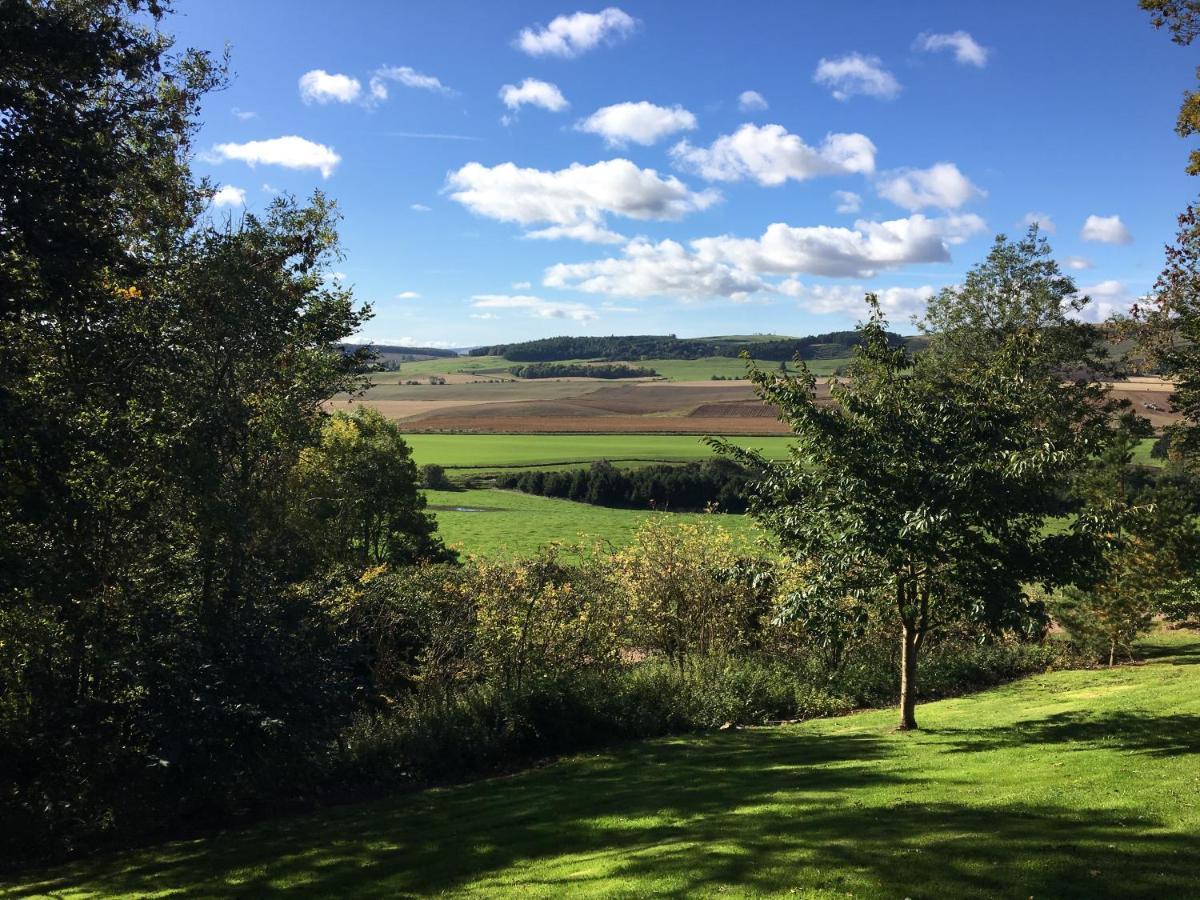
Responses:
[693,487]
[401,351]
[581,370]
[668,346]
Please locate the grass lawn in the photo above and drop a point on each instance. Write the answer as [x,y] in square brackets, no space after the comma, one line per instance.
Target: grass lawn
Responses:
[1073,784]
[490,452]
[507,523]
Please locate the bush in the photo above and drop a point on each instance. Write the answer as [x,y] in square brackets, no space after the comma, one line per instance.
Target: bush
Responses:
[433,477]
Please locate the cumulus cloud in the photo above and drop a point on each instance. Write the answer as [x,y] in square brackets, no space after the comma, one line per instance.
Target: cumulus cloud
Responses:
[663,269]
[1109,298]
[569,36]
[1105,230]
[407,295]
[319,86]
[408,77]
[536,306]
[1041,220]
[522,285]
[771,155]
[847,201]
[854,74]
[727,266]
[896,302]
[942,185]
[412,342]
[243,114]
[750,101]
[228,195]
[573,202]
[532,92]
[290,151]
[642,122]
[419,207]
[1077,262]
[966,50]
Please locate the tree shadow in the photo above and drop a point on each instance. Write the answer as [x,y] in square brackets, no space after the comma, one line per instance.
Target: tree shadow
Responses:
[1164,735]
[759,811]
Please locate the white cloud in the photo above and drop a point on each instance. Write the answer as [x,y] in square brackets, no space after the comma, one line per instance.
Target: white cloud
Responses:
[727,266]
[406,76]
[854,74]
[484,316]
[407,295]
[243,114]
[270,189]
[419,207]
[589,232]
[532,92]
[569,36]
[412,342]
[319,86]
[1108,298]
[291,152]
[1041,220]
[663,269]
[536,306]
[1106,230]
[966,50]
[942,185]
[1077,262]
[228,195]
[573,201]
[522,285]
[896,302]
[749,101]
[848,201]
[641,122]
[771,155]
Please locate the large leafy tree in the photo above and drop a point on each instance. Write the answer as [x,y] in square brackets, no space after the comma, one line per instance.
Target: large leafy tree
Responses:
[1182,19]
[356,495]
[921,493]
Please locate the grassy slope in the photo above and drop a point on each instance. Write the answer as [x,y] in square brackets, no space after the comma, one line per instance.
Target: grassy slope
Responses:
[1073,784]
[511,523]
[490,452]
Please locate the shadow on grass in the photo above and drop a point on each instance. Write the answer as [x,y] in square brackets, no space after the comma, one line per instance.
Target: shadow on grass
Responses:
[1135,732]
[1170,650]
[760,811]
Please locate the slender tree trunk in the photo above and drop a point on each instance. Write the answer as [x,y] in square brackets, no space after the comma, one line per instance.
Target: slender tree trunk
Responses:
[909,645]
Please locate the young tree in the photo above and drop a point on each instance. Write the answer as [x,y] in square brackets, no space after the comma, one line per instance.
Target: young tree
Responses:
[357,495]
[926,485]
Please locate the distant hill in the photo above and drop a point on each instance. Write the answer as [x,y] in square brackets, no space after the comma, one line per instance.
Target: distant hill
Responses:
[403,352]
[767,347]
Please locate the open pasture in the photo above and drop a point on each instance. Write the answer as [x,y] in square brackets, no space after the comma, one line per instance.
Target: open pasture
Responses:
[508,523]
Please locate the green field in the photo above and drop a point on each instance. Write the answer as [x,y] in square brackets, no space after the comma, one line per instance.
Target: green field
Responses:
[672,369]
[491,452]
[506,523]
[1073,784]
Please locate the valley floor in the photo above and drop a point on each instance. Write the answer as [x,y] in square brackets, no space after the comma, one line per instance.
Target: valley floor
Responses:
[1071,784]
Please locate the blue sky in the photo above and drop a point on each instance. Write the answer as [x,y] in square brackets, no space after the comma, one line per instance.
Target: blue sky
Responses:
[622,183]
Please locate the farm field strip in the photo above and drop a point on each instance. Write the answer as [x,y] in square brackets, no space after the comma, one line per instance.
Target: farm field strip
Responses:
[476,451]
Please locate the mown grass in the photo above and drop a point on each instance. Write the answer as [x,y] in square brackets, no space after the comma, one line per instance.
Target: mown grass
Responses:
[491,452]
[508,523]
[1071,784]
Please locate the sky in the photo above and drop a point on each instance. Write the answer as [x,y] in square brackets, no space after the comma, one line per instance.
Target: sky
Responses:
[509,171]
